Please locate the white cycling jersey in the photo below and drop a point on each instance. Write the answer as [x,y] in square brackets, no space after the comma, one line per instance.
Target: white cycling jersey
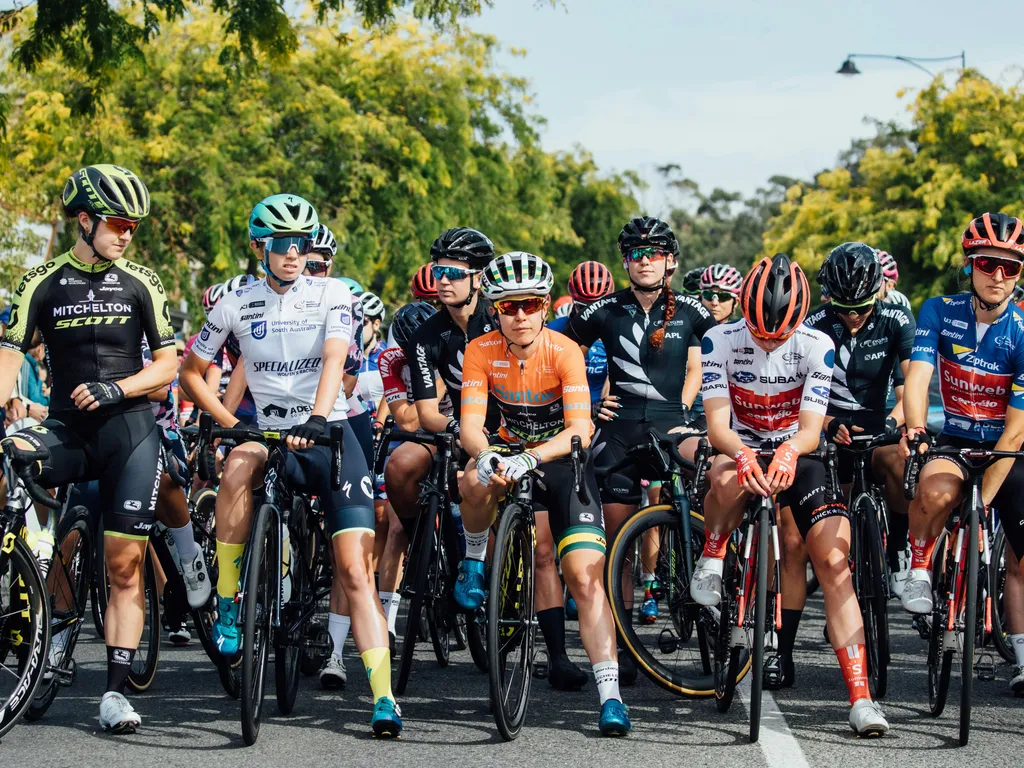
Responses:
[767,390]
[282,340]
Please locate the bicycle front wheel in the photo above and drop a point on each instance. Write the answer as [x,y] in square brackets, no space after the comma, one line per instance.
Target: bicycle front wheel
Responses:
[970,631]
[874,597]
[940,657]
[758,630]
[143,671]
[262,562]
[997,585]
[510,624]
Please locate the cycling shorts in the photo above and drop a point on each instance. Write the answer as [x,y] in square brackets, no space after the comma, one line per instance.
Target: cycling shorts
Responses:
[122,451]
[574,525]
[1007,500]
[844,468]
[351,507]
[808,496]
[612,440]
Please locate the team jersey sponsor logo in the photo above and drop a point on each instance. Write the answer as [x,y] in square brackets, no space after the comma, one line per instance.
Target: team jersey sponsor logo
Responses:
[274,410]
[875,356]
[575,388]
[744,377]
[777,379]
[259,330]
[874,342]
[1004,342]
[768,412]
[250,316]
[819,376]
[821,391]
[287,367]
[254,304]
[710,377]
[973,394]
[501,363]
[523,395]
[792,357]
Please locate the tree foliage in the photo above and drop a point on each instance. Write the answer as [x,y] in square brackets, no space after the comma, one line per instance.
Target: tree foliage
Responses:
[912,192]
[393,138]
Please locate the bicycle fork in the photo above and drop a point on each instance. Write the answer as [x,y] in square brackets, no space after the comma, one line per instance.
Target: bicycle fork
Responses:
[748,585]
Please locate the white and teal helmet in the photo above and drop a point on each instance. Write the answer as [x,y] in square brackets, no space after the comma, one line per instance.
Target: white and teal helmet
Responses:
[280,215]
[516,274]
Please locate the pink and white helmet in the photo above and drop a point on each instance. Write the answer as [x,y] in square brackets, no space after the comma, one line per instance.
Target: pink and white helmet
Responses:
[889,269]
[722,277]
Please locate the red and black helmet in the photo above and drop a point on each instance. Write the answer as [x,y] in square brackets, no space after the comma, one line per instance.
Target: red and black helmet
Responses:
[424,287]
[994,230]
[590,281]
[775,297]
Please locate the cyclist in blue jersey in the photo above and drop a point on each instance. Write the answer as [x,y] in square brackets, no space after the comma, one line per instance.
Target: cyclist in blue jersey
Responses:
[977,341]
[589,282]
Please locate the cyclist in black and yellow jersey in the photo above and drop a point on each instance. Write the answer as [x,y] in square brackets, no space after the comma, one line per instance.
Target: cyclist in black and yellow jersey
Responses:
[93,308]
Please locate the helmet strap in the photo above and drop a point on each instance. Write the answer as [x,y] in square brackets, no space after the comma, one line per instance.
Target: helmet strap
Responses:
[472,292]
[266,268]
[985,305]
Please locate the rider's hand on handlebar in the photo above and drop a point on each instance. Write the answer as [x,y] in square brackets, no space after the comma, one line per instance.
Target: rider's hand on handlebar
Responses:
[515,467]
[838,430]
[748,473]
[305,435]
[782,470]
[908,438]
[608,407]
[488,466]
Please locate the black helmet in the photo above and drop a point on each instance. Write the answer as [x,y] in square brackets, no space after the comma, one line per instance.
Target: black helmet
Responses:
[851,274]
[464,244]
[408,319]
[691,280]
[646,230]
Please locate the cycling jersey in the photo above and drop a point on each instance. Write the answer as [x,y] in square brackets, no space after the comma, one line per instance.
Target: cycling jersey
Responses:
[437,348]
[93,318]
[164,411]
[978,379]
[396,378]
[282,338]
[767,390]
[533,395]
[647,381]
[354,361]
[371,387]
[596,359]
[864,360]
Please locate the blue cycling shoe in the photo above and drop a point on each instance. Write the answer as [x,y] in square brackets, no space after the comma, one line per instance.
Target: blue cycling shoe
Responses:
[649,609]
[387,719]
[571,611]
[469,589]
[225,628]
[614,719]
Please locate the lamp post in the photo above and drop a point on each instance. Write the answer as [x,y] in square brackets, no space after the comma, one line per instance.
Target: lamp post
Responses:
[849,68]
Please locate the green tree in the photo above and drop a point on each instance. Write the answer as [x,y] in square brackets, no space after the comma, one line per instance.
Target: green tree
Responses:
[912,192]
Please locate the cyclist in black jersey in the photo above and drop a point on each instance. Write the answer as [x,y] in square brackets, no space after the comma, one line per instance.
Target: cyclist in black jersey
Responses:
[872,339]
[652,337]
[93,308]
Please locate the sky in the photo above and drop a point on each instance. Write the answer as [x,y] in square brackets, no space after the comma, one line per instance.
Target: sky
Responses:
[734,91]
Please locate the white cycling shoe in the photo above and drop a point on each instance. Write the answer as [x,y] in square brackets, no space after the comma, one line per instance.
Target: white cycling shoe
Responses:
[706,584]
[867,720]
[197,581]
[917,591]
[117,715]
[333,674]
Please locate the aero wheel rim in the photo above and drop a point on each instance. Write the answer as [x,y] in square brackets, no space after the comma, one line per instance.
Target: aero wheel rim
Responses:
[261,631]
[515,628]
[22,632]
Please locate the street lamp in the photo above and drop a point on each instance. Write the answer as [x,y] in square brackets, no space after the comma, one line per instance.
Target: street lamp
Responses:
[849,68]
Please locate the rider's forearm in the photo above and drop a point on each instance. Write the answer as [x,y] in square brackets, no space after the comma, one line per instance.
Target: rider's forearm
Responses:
[236,388]
[806,440]
[897,412]
[561,444]
[10,367]
[915,394]
[157,376]
[431,419]
[473,438]
[691,384]
[1010,440]
[725,441]
[206,399]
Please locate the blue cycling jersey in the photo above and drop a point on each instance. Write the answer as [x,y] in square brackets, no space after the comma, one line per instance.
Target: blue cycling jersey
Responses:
[978,379]
[596,359]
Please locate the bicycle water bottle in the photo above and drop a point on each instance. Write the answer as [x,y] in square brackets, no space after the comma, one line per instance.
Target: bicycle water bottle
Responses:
[457,516]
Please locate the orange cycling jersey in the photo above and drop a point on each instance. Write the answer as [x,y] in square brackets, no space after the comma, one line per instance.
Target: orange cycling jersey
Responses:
[533,395]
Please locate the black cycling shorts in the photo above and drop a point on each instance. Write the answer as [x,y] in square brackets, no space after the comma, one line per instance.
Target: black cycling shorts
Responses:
[1007,501]
[123,451]
[362,426]
[610,443]
[808,496]
[844,467]
[574,525]
[351,507]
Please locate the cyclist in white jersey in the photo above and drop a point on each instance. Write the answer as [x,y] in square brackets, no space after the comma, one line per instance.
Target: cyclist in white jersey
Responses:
[766,383]
[294,332]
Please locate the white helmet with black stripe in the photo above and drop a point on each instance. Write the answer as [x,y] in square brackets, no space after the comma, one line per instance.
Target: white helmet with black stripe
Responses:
[516,274]
[373,307]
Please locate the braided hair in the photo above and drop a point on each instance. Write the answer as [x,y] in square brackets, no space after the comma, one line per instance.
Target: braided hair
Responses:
[658,336]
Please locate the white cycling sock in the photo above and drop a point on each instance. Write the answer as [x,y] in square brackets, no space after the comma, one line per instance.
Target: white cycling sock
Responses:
[606,675]
[390,602]
[1017,641]
[648,576]
[338,627]
[184,542]
[476,544]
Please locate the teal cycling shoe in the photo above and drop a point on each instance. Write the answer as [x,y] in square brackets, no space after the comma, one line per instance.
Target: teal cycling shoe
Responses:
[469,589]
[225,628]
[387,719]
[614,719]
[649,609]
[571,611]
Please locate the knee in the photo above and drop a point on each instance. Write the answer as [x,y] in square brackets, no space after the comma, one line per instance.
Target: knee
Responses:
[544,555]
[124,570]
[934,497]
[792,543]
[722,488]
[354,578]
[834,567]
[585,583]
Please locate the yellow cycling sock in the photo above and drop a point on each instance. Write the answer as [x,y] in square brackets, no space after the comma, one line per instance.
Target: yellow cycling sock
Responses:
[378,670]
[229,564]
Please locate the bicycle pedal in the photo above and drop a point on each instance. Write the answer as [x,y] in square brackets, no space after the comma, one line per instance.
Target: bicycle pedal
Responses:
[540,668]
[985,667]
[667,642]
[66,677]
[923,627]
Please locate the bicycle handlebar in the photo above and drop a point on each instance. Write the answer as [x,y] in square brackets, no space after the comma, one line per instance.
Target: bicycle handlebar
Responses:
[21,463]
[660,450]
[443,441]
[973,461]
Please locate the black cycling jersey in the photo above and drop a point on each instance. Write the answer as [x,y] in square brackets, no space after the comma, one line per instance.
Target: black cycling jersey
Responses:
[647,381]
[865,363]
[93,318]
[438,345]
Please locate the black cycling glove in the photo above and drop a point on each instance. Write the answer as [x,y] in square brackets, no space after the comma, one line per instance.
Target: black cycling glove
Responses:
[453,428]
[106,393]
[314,427]
[833,427]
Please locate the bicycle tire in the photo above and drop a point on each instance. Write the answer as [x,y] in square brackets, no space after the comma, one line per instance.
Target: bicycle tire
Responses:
[423,548]
[98,595]
[28,637]
[288,654]
[147,657]
[699,681]
[78,570]
[440,638]
[997,584]
[459,631]
[940,658]
[970,628]
[511,577]
[728,657]
[874,597]
[257,609]
[476,639]
[757,635]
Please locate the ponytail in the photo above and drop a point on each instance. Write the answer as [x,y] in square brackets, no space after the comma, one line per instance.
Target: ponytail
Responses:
[658,337]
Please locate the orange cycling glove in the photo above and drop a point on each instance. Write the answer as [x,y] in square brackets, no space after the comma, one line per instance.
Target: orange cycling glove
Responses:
[784,462]
[746,465]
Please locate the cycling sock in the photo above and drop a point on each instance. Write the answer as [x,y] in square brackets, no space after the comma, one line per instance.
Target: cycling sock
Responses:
[391,605]
[715,545]
[378,671]
[119,664]
[476,544]
[787,634]
[648,577]
[184,542]
[606,675]
[229,563]
[338,627]
[855,672]
[899,527]
[921,552]
[552,626]
[1017,641]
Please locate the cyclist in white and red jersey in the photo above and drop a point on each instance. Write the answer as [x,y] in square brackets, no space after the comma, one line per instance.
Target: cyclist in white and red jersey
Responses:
[766,383]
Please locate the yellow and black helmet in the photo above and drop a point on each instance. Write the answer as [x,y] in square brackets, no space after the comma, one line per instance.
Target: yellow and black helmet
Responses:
[109,190]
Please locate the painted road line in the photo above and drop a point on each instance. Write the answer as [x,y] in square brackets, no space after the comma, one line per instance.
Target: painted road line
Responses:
[778,744]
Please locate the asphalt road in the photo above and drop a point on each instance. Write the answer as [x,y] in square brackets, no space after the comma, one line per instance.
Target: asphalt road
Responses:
[189,721]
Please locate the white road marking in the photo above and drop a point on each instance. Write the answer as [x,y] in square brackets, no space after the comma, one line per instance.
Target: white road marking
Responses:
[778,744]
